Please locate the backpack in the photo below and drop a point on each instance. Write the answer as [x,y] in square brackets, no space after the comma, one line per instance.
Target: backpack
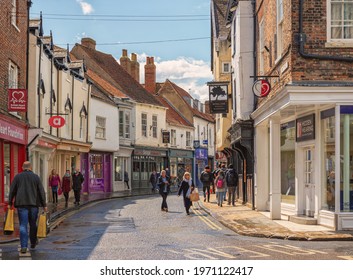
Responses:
[220,184]
[205,177]
[232,178]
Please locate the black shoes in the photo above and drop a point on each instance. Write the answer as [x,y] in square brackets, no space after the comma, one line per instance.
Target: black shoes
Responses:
[34,245]
[23,250]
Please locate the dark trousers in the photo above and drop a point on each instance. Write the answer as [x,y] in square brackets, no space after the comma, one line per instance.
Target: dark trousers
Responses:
[54,190]
[77,195]
[187,204]
[127,184]
[66,195]
[206,188]
[164,201]
[231,195]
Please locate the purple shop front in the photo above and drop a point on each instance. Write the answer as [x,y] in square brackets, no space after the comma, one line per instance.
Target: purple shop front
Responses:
[97,168]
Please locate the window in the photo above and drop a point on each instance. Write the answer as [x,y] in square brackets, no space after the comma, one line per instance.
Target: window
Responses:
[210,137]
[118,169]
[144,124]
[82,126]
[225,67]
[14,12]
[188,139]
[13,75]
[279,28]
[173,136]
[124,124]
[100,127]
[341,19]
[154,126]
[204,133]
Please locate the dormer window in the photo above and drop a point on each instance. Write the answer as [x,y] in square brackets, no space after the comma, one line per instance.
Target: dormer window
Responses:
[68,104]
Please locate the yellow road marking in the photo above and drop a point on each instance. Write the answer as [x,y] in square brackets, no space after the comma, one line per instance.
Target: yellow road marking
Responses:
[207,221]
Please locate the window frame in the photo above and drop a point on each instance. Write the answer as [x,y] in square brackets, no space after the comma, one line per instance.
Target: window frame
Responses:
[279,27]
[229,67]
[188,139]
[173,137]
[14,12]
[144,124]
[154,125]
[348,41]
[13,75]
[100,126]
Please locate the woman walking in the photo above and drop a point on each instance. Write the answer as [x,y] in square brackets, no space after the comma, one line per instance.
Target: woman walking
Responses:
[66,186]
[164,189]
[54,183]
[187,186]
[220,187]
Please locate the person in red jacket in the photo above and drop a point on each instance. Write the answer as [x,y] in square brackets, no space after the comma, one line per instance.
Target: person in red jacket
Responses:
[55,184]
[66,186]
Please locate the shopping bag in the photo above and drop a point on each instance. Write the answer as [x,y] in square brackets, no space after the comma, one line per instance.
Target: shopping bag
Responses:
[9,223]
[194,196]
[42,226]
[60,191]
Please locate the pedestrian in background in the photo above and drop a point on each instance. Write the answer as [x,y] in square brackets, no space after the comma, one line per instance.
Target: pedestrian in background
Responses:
[220,187]
[186,187]
[206,179]
[153,180]
[232,183]
[126,179]
[77,180]
[66,186]
[28,192]
[55,184]
[164,189]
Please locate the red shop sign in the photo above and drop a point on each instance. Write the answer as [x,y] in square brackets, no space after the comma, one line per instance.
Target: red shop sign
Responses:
[56,121]
[17,100]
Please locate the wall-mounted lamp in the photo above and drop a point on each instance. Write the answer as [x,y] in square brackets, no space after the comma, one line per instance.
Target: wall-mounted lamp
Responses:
[181,135]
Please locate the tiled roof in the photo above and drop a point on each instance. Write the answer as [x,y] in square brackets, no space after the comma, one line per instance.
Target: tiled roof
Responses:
[99,94]
[34,23]
[111,70]
[219,19]
[104,84]
[183,93]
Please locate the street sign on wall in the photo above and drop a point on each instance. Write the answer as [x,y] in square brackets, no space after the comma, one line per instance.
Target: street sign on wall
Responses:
[166,137]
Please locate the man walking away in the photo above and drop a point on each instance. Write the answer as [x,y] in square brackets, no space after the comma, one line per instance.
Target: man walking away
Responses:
[77,180]
[232,183]
[28,192]
[206,178]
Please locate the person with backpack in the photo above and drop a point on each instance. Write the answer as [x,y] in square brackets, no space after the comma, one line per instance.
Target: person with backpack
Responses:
[232,183]
[220,187]
[206,180]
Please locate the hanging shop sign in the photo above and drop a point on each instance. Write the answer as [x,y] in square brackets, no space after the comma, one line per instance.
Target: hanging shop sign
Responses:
[196,144]
[261,88]
[218,96]
[201,153]
[166,137]
[17,100]
[305,128]
[56,121]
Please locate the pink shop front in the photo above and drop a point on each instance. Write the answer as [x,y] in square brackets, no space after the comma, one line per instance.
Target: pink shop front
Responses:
[96,168]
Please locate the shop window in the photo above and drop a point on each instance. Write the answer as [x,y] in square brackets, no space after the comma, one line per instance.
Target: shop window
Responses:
[96,166]
[328,159]
[7,169]
[346,174]
[288,162]
[118,169]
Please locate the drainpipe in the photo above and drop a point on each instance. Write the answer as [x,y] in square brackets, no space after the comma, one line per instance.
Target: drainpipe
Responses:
[51,83]
[302,39]
[39,80]
[88,107]
[255,103]
[73,106]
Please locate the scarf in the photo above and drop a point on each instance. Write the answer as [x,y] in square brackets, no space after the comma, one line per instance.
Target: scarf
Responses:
[67,175]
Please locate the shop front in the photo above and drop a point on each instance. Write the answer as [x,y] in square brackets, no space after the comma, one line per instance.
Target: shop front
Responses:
[121,166]
[180,161]
[201,160]
[13,141]
[304,158]
[144,161]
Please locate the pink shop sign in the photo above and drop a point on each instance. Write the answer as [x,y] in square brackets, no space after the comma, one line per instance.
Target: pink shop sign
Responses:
[12,133]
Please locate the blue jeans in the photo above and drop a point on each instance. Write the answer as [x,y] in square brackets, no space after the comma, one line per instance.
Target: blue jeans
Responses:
[25,216]
[220,197]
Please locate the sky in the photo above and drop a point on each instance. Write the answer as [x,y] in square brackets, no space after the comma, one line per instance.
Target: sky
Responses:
[175,32]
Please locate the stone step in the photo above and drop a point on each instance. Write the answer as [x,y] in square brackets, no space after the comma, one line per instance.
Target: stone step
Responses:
[303,220]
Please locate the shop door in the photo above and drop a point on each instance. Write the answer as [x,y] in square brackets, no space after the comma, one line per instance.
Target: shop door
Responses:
[309,184]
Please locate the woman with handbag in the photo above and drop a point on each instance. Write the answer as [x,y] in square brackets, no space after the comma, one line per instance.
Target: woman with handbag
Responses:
[55,184]
[187,186]
[66,186]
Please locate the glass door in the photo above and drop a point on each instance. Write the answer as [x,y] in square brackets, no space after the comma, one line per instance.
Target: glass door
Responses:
[309,181]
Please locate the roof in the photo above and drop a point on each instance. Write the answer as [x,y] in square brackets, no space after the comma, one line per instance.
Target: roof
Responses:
[219,19]
[105,66]
[183,93]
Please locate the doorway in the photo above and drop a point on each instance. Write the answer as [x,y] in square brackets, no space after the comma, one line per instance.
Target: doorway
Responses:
[309,181]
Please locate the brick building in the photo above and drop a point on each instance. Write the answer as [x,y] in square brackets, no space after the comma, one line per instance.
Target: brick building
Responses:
[13,65]
[304,128]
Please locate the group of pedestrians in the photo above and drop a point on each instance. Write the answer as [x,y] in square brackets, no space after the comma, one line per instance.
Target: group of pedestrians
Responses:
[65,185]
[27,195]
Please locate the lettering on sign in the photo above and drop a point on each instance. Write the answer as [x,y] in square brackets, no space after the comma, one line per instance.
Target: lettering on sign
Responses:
[56,121]
[305,128]
[17,100]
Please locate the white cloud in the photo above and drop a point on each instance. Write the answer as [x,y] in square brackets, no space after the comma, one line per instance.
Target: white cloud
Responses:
[86,7]
[188,73]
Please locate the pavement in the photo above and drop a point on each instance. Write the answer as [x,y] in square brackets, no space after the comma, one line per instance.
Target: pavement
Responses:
[240,218]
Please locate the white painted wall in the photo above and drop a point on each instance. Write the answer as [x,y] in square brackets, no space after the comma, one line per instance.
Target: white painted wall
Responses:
[204,124]
[111,114]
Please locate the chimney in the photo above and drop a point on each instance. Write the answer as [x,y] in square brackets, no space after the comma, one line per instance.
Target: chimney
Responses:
[125,62]
[89,43]
[135,67]
[150,75]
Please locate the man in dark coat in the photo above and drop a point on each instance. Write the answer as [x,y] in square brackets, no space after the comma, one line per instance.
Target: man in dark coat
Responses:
[77,180]
[206,179]
[28,192]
